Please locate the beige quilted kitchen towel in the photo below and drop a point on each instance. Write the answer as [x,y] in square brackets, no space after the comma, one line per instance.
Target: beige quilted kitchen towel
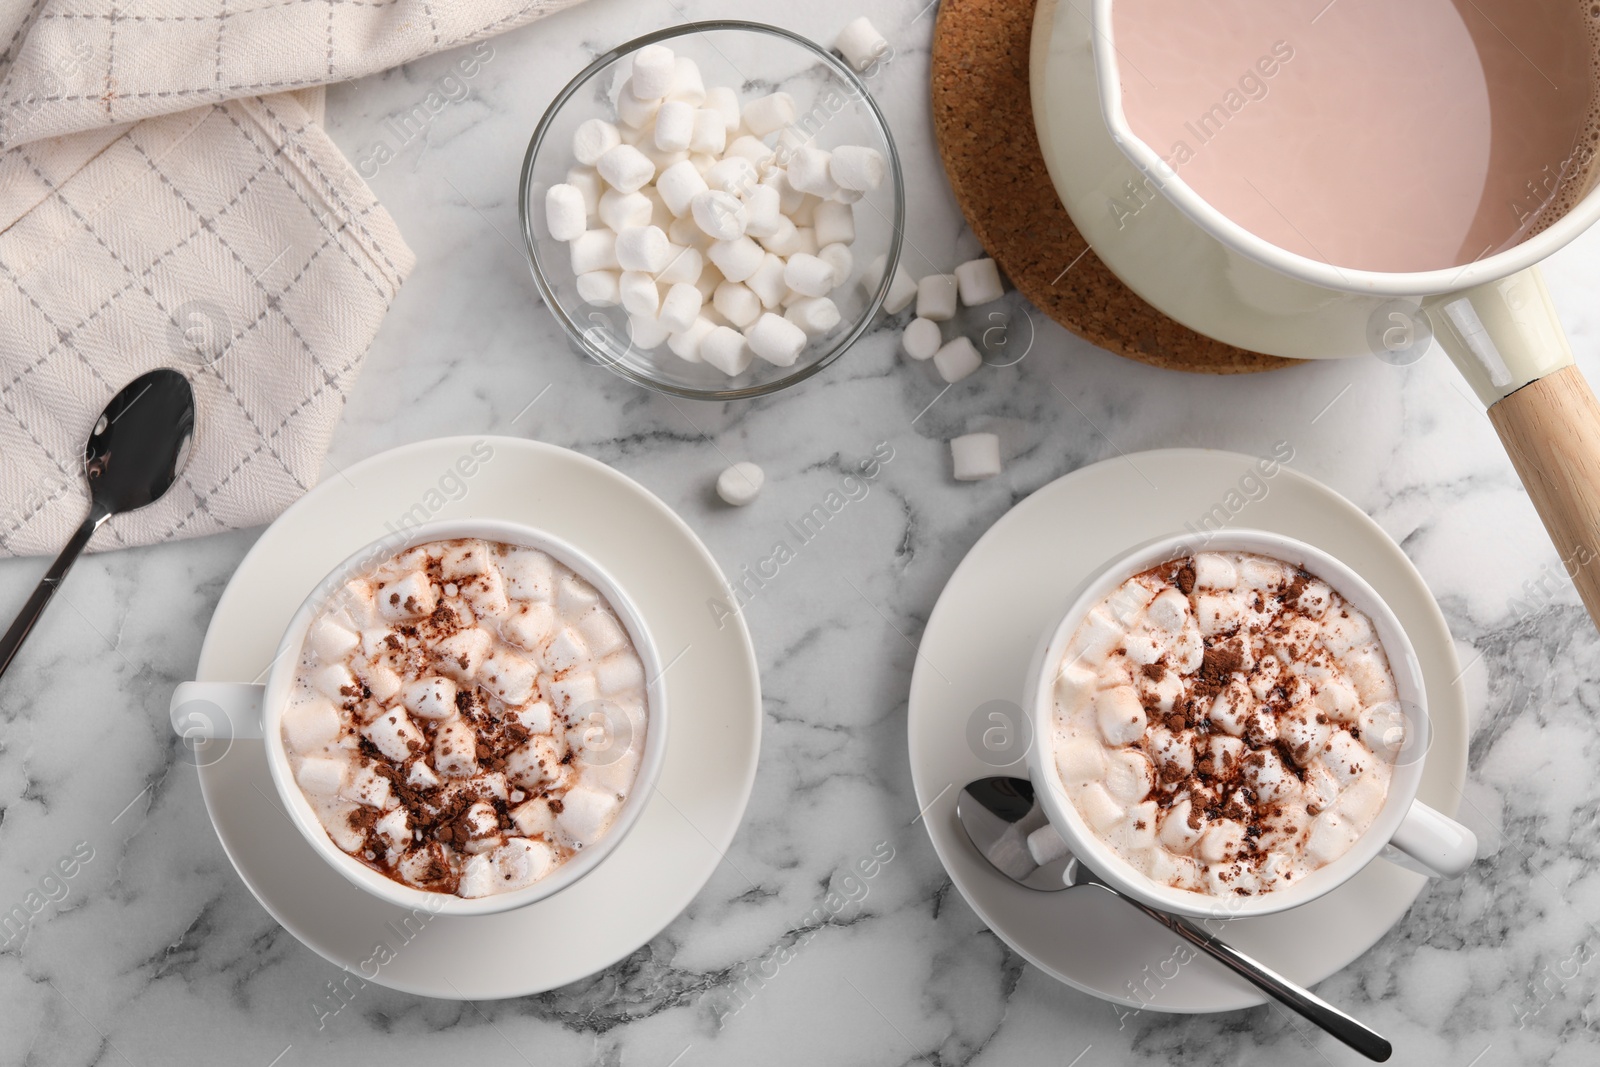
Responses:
[168,198]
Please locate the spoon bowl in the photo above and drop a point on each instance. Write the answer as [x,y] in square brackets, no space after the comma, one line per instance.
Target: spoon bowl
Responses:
[137,449]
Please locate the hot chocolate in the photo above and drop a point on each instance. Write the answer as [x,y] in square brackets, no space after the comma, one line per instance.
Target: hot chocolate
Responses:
[466,717]
[1223,721]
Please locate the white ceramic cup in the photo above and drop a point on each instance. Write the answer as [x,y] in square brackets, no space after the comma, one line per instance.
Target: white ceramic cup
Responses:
[213,713]
[1415,835]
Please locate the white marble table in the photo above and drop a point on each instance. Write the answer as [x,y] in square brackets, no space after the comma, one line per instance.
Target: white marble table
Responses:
[155,953]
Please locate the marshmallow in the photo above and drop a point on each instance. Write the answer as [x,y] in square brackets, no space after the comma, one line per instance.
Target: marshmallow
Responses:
[835,223]
[645,332]
[636,114]
[809,275]
[330,640]
[975,456]
[642,248]
[587,181]
[654,70]
[785,240]
[776,340]
[593,139]
[708,134]
[311,725]
[790,199]
[679,308]
[394,734]
[621,211]
[736,303]
[322,777]
[725,102]
[565,213]
[684,232]
[769,114]
[815,315]
[674,127]
[433,697]
[936,297]
[808,172]
[762,214]
[640,295]
[768,282]
[585,816]
[902,290]
[659,158]
[599,287]
[687,83]
[594,250]
[721,215]
[739,484]
[855,168]
[756,151]
[685,265]
[861,44]
[839,258]
[685,344]
[732,174]
[978,281]
[957,359]
[921,339]
[726,350]
[408,598]
[626,168]
[737,259]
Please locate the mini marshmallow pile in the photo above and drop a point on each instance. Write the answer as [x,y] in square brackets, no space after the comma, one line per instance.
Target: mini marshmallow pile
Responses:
[974,283]
[456,716]
[715,225]
[1213,718]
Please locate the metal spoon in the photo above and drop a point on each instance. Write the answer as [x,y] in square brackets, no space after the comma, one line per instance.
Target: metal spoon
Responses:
[998,814]
[132,458]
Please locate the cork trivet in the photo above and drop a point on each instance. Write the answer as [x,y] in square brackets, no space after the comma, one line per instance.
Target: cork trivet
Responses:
[983,120]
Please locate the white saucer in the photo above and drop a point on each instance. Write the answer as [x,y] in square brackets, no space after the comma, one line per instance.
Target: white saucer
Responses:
[712,686]
[1015,582]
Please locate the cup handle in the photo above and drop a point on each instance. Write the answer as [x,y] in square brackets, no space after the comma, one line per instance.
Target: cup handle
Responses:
[207,710]
[1433,844]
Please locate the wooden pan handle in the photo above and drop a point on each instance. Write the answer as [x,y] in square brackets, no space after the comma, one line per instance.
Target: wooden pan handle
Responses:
[1551,430]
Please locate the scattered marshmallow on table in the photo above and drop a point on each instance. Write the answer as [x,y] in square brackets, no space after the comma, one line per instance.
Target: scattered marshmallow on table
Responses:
[921,339]
[721,228]
[975,456]
[979,282]
[956,360]
[861,44]
[740,483]
[936,297]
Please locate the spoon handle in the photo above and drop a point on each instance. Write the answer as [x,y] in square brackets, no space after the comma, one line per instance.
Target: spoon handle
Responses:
[1347,1029]
[47,587]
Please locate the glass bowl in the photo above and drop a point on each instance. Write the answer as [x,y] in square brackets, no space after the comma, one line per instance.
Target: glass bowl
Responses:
[834,108]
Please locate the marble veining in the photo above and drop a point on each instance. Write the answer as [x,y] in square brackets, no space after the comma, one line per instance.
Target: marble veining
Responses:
[153,952]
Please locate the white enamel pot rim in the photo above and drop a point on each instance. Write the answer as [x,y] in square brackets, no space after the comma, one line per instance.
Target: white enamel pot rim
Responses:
[1414,284]
[1438,835]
